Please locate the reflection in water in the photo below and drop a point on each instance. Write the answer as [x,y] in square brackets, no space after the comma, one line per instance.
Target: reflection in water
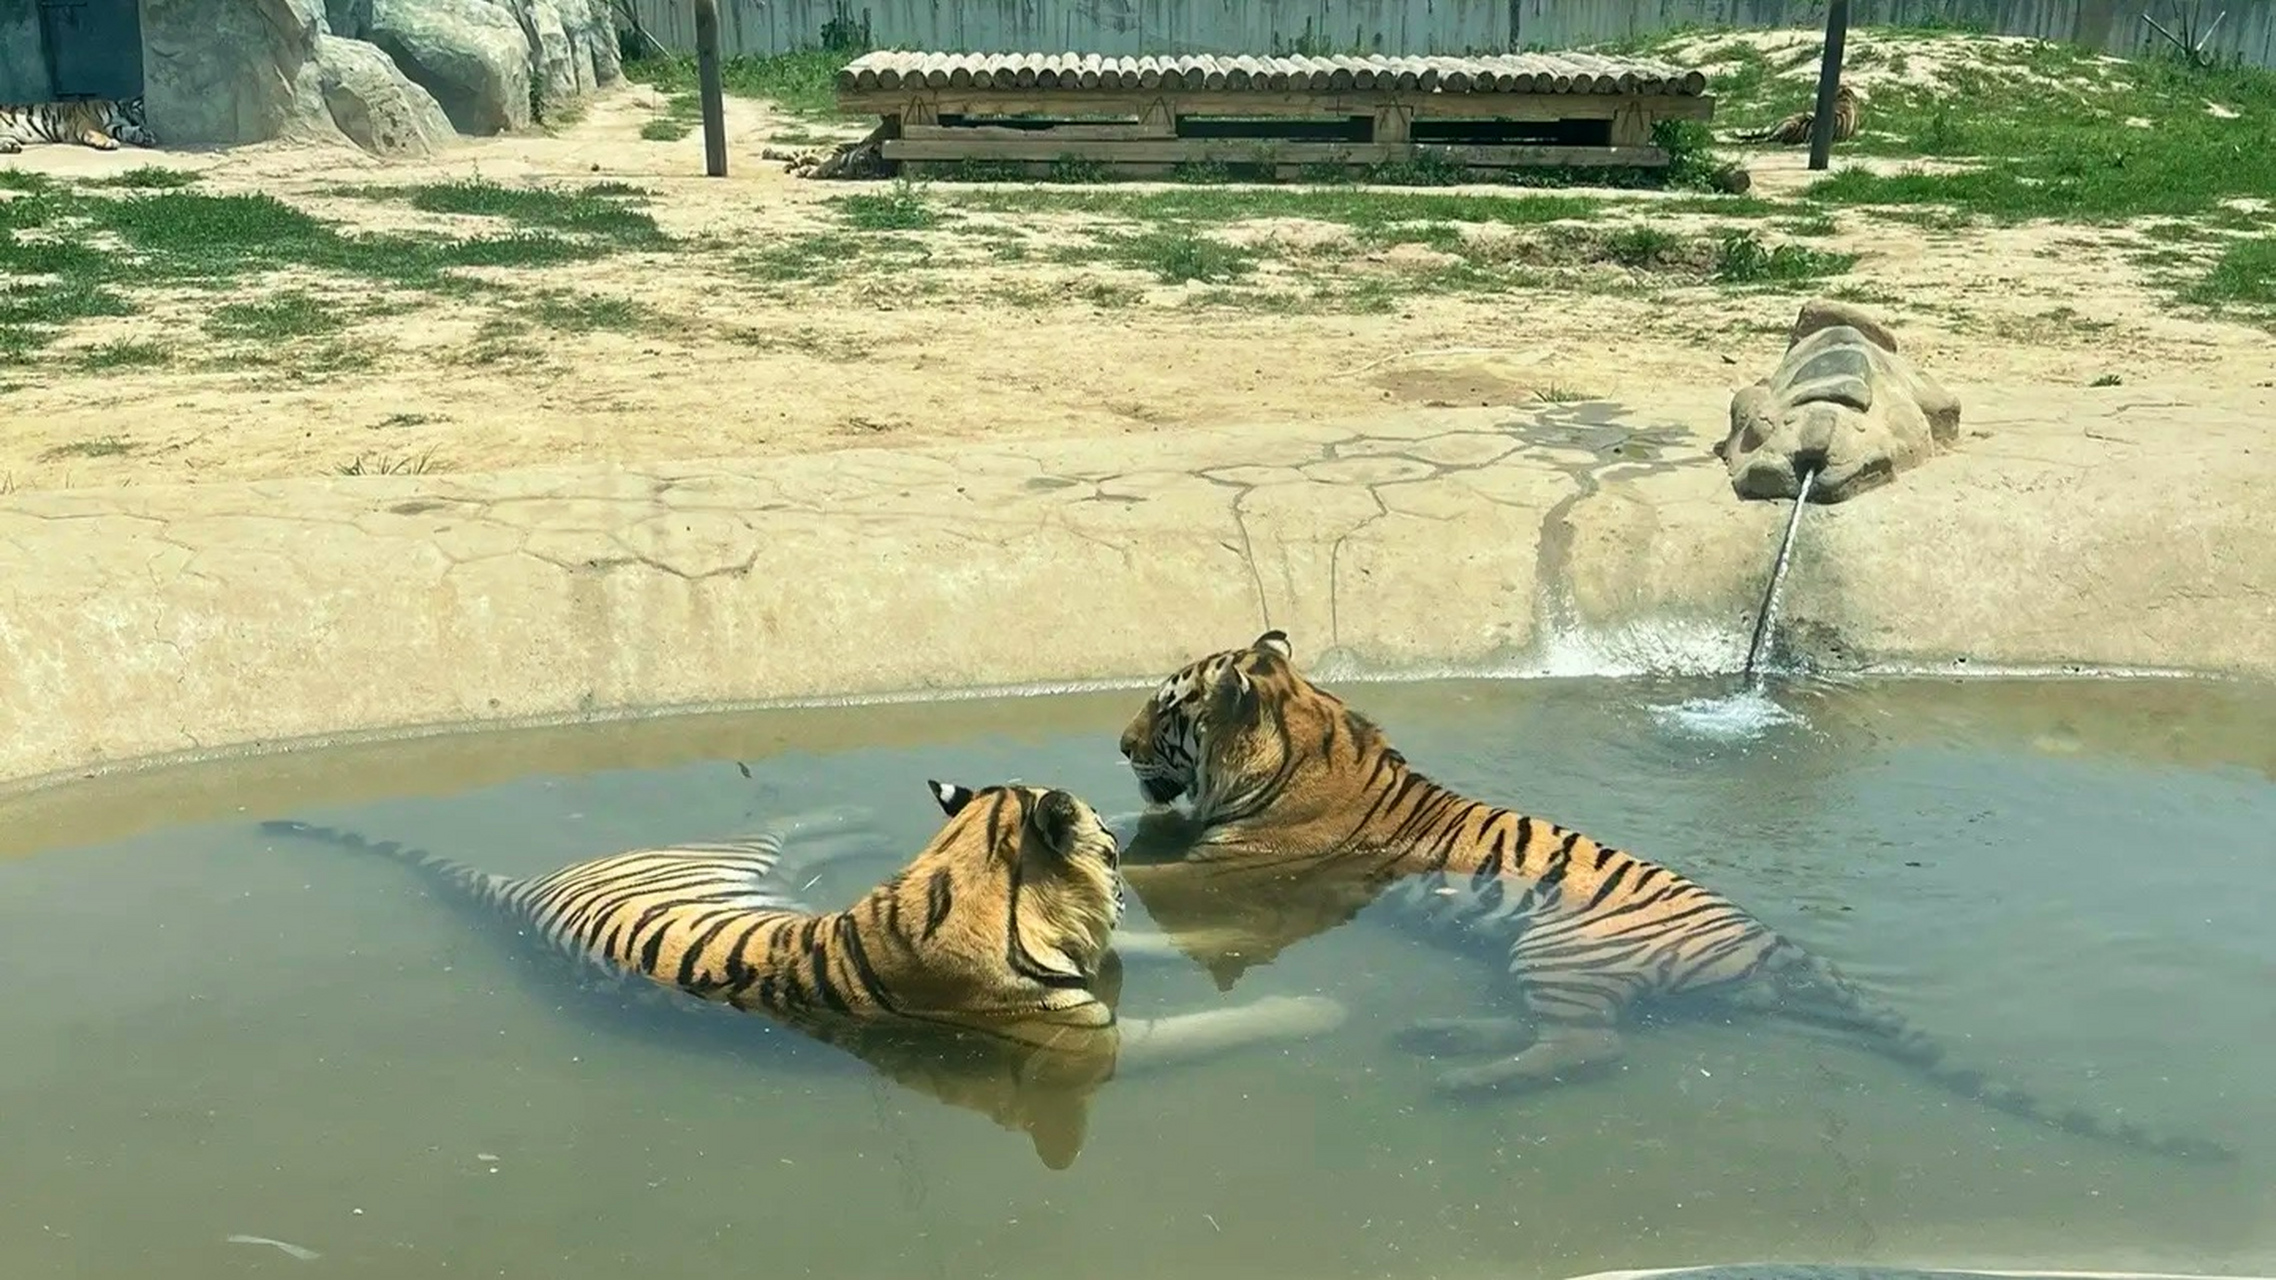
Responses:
[979,974]
[212,1034]
[1302,812]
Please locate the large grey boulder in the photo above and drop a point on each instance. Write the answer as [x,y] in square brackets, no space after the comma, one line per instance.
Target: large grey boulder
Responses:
[378,107]
[233,73]
[252,70]
[553,68]
[473,56]
[349,18]
[572,48]
[599,61]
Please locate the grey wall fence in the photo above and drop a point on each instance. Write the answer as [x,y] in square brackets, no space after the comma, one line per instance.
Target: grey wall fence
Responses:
[2248,29]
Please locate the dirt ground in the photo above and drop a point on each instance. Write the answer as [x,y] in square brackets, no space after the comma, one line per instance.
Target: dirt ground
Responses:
[744,371]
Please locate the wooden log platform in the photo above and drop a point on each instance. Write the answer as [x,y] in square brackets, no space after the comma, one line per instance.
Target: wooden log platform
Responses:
[1146,116]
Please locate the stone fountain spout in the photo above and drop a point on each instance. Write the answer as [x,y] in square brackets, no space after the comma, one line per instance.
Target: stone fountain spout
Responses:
[1843,403]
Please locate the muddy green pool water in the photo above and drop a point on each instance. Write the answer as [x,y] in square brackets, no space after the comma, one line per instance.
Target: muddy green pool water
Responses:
[211,1033]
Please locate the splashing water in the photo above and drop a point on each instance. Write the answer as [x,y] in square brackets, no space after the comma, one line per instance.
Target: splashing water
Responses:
[1749,712]
[1734,717]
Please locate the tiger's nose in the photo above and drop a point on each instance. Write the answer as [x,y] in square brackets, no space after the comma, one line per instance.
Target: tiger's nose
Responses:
[1129,743]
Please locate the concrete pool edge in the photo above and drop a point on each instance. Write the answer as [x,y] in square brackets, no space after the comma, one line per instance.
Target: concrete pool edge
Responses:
[1883,1272]
[166,621]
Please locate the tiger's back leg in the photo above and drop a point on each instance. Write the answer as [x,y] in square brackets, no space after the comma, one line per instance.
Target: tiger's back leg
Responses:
[9,147]
[1572,1013]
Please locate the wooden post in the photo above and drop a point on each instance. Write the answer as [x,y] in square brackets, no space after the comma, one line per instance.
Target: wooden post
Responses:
[1829,80]
[707,86]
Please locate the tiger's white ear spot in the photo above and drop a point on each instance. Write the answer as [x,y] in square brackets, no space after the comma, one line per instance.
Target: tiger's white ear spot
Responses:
[1276,640]
[952,797]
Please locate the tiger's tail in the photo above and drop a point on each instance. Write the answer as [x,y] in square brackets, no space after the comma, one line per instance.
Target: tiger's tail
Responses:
[1817,992]
[480,887]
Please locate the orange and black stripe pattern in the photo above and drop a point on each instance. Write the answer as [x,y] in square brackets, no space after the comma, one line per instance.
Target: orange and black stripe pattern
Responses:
[999,924]
[92,122]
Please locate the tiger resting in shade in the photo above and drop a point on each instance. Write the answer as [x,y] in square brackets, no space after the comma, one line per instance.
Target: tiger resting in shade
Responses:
[91,122]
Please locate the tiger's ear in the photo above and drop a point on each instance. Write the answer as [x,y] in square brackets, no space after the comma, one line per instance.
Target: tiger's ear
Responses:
[952,797]
[1056,818]
[1275,641]
[1233,699]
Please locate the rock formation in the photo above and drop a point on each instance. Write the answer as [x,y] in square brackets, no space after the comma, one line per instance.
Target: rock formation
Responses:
[1843,402]
[392,76]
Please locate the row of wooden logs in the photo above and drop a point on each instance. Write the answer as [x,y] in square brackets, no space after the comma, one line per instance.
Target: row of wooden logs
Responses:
[1515,73]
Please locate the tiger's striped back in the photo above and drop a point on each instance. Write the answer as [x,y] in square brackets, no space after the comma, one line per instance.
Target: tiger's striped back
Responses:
[100,123]
[1288,785]
[998,925]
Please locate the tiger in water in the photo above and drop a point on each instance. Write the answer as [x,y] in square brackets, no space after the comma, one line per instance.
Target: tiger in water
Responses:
[100,123]
[1301,812]
[997,934]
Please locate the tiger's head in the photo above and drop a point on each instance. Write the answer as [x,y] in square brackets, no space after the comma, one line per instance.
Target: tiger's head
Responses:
[1024,876]
[1239,731]
[123,120]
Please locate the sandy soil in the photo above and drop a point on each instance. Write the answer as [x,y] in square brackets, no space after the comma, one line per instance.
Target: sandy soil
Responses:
[1010,349]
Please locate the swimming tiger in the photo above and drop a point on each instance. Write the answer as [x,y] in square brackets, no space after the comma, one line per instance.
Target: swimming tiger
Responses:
[93,122]
[981,972]
[1795,129]
[1296,797]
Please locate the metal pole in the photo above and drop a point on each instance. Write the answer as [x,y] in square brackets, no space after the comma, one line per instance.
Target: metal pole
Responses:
[707,85]
[1829,79]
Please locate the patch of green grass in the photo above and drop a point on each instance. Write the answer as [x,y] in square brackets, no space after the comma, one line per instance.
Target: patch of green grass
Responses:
[586,212]
[1644,247]
[1742,258]
[1179,256]
[588,313]
[66,300]
[811,259]
[150,177]
[99,447]
[666,129]
[901,207]
[19,343]
[2243,276]
[125,355]
[282,316]
[2072,156]
[1076,169]
[802,83]
[67,255]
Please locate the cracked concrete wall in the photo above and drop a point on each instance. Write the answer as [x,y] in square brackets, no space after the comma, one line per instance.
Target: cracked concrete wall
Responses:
[217,616]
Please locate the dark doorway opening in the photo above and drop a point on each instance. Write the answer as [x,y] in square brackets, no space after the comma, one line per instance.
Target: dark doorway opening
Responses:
[94,47]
